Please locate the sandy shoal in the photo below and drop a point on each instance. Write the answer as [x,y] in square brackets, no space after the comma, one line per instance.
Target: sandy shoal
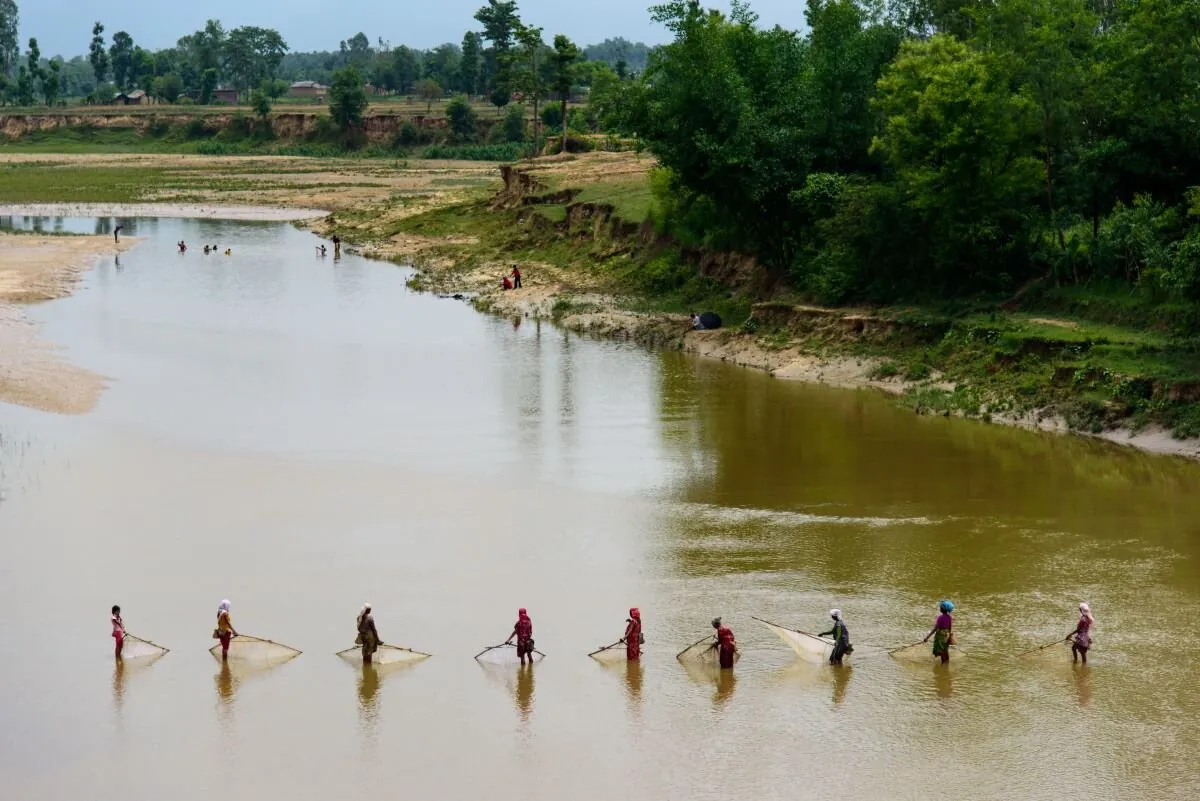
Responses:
[34,268]
[202,211]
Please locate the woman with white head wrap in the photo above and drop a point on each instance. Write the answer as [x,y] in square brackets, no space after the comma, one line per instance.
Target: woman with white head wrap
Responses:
[841,638]
[225,630]
[1081,637]
[367,637]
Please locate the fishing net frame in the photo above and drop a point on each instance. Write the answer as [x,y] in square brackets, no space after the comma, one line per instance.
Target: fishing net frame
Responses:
[536,656]
[283,654]
[809,647]
[155,651]
[384,655]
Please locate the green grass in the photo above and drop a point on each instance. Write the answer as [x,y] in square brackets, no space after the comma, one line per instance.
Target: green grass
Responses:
[28,183]
[630,200]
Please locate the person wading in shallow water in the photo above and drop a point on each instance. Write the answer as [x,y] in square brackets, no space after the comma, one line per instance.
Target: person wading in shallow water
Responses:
[726,644]
[1081,637]
[942,632]
[118,631]
[633,636]
[523,631]
[337,247]
[117,234]
[368,637]
[841,637]
[225,630]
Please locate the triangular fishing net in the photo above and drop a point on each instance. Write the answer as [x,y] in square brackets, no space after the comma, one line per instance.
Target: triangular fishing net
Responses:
[137,648]
[256,651]
[504,654]
[704,652]
[808,647]
[384,655]
[611,654]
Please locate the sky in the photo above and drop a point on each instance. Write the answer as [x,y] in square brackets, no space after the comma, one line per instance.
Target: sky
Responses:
[64,27]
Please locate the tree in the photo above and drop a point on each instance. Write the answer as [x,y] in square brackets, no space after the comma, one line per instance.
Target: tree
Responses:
[141,71]
[407,68]
[120,55]
[260,101]
[463,124]
[514,125]
[97,55]
[25,94]
[10,48]
[429,90]
[470,63]
[347,99]
[529,77]
[252,54]
[208,84]
[356,51]
[168,87]
[566,57]
[500,26]
[52,82]
[442,65]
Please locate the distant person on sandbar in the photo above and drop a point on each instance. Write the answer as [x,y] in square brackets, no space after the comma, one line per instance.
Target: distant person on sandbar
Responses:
[523,631]
[726,644]
[516,277]
[368,637]
[1081,637]
[117,234]
[696,324]
[225,630]
[118,631]
[505,283]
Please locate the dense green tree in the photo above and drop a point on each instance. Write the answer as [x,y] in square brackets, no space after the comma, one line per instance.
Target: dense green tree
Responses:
[252,54]
[168,87]
[97,55]
[500,27]
[260,101]
[442,65]
[208,84]
[407,67]
[10,48]
[514,125]
[347,99]
[470,63]
[528,75]
[120,55]
[356,51]
[463,124]
[25,87]
[565,61]
[52,82]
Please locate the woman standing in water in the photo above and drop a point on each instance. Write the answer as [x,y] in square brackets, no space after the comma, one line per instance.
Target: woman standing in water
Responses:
[726,644]
[633,636]
[225,630]
[942,632]
[1082,635]
[368,637]
[841,637]
[118,631]
[523,631]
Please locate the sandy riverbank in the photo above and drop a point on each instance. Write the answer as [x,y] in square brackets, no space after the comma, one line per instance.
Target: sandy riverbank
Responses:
[172,210]
[35,268]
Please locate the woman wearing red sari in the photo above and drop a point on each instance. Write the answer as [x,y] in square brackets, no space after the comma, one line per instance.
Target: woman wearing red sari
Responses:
[633,636]
[523,631]
[726,644]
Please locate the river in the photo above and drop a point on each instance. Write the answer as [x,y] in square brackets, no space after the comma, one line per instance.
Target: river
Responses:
[301,436]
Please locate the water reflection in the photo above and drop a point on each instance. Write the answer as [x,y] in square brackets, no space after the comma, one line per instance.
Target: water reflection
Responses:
[226,683]
[1083,684]
[368,698]
[523,693]
[943,681]
[841,682]
[726,684]
[633,686]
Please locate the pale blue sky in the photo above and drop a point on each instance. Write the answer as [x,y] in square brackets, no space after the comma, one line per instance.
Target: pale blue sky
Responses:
[63,27]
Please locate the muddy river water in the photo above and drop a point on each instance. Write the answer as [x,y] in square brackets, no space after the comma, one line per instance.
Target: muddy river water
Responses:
[301,436]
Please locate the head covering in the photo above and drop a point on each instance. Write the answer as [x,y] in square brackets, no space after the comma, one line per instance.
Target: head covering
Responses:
[635,613]
[836,614]
[522,613]
[716,622]
[946,606]
[224,607]
[1085,611]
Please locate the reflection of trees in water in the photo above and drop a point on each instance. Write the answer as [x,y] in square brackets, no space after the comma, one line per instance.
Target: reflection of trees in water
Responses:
[979,500]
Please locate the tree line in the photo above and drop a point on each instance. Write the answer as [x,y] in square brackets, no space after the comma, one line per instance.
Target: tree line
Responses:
[487,62]
[936,148]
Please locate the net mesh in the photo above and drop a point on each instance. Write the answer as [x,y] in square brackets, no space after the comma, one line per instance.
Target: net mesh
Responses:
[611,654]
[384,655]
[808,647]
[137,648]
[504,654]
[256,651]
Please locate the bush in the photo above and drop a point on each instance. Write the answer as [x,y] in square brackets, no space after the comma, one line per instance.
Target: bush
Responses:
[507,152]
[463,125]
[552,116]
[514,125]
[575,144]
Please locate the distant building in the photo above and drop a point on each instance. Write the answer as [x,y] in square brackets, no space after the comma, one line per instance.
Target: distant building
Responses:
[229,96]
[135,98]
[307,89]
